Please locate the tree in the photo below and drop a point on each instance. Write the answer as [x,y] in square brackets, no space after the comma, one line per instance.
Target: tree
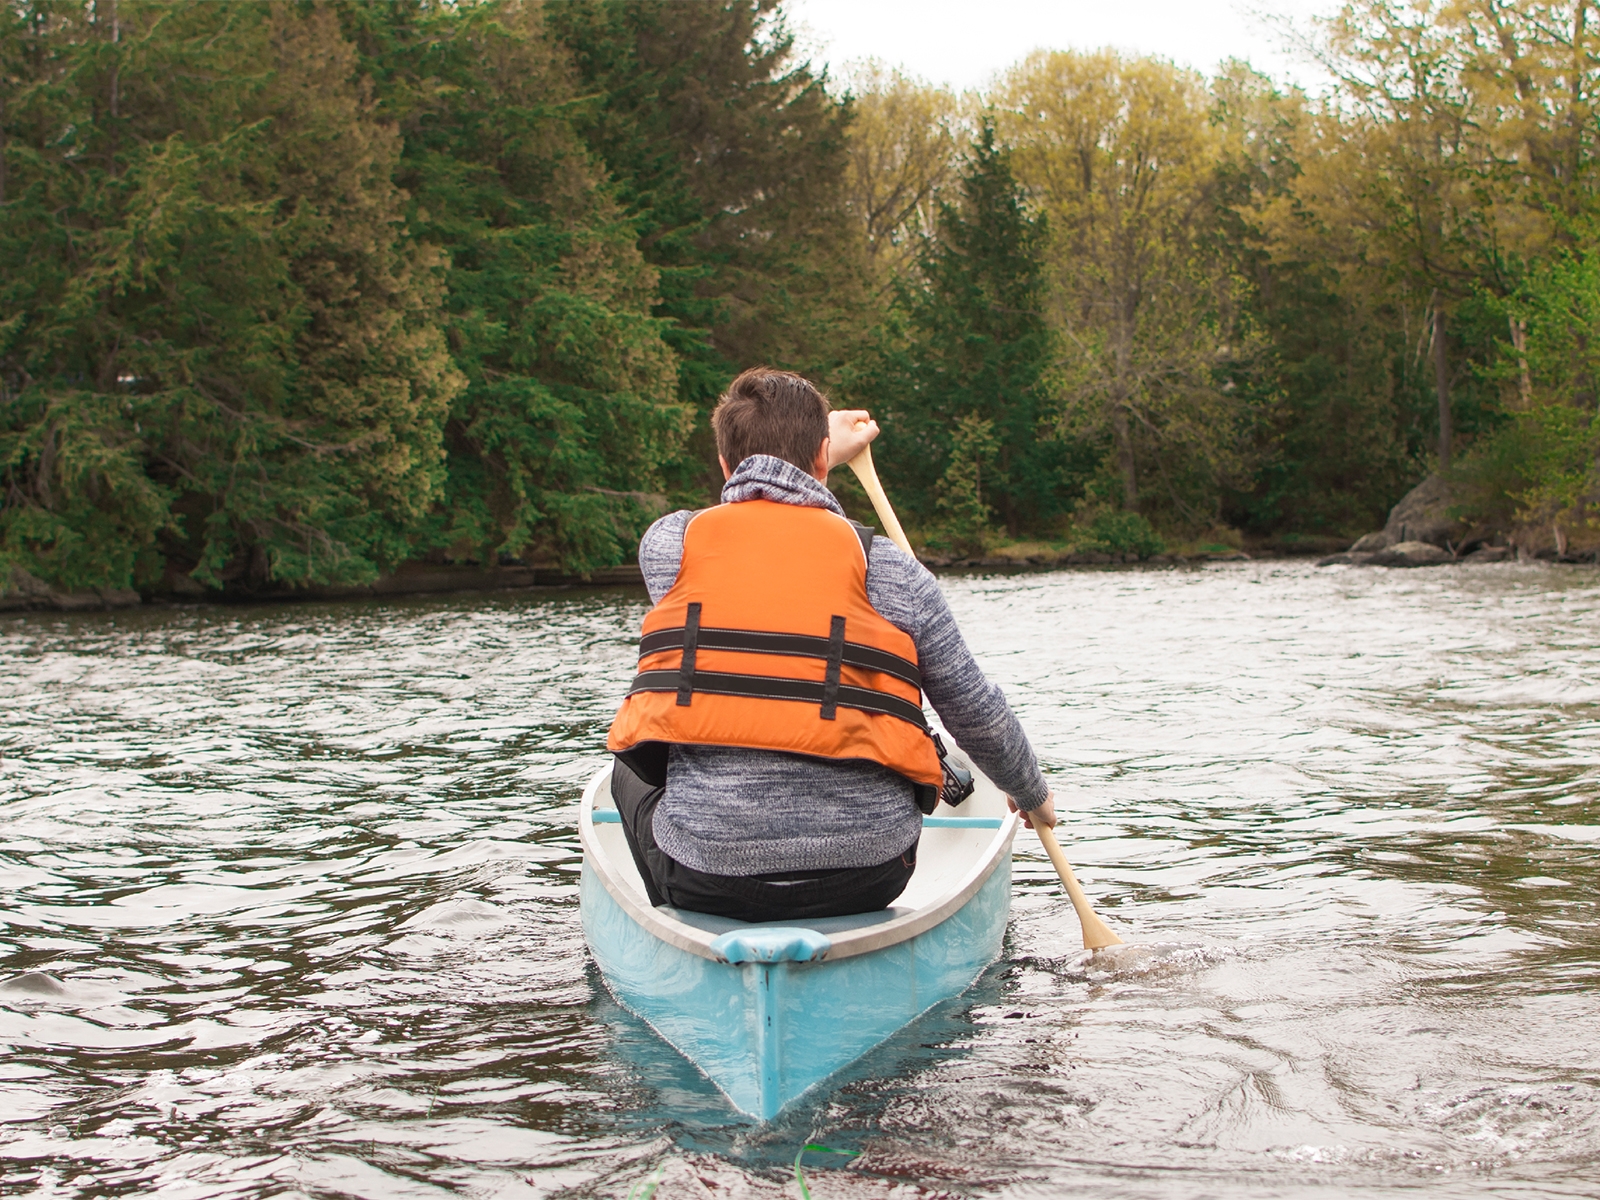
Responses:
[1467,134]
[964,388]
[1538,473]
[1122,155]
[901,150]
[219,341]
[569,426]
[729,156]
[1337,408]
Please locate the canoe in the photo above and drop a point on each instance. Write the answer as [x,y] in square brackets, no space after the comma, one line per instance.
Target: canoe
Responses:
[769,1011]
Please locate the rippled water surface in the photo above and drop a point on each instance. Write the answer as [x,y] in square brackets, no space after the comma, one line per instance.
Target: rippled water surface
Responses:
[290,905]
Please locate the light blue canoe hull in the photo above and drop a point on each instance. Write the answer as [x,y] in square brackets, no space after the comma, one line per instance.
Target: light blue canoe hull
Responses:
[764,1033]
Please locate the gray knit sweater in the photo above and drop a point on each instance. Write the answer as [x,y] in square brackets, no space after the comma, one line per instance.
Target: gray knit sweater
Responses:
[750,812]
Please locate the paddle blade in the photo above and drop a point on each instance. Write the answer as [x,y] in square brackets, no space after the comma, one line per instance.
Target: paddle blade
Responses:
[1095,934]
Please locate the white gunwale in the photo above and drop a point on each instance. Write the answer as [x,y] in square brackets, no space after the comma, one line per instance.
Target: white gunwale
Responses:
[663,924]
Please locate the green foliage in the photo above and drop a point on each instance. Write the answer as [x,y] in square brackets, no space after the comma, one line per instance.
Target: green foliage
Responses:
[1341,403]
[1120,533]
[292,293]
[729,159]
[207,285]
[972,447]
[1345,412]
[1122,153]
[81,511]
[962,367]
[568,409]
[1539,466]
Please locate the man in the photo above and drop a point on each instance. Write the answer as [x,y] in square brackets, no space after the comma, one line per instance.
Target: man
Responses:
[772,751]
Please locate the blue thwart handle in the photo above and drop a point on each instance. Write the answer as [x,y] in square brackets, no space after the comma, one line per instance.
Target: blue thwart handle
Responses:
[770,944]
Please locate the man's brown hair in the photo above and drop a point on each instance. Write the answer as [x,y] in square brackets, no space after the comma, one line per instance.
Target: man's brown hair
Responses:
[770,412]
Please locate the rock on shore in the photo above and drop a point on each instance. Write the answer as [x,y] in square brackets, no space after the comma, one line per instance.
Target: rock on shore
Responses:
[1420,532]
[1411,554]
[20,590]
[1402,554]
[1423,516]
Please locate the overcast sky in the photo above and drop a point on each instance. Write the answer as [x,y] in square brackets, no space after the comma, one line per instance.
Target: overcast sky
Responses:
[963,43]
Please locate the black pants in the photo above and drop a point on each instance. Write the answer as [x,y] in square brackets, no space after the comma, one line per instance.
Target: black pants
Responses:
[786,896]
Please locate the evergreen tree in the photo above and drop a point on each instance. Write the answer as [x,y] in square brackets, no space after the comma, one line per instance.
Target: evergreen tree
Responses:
[730,158]
[570,419]
[234,249]
[218,341]
[1341,405]
[967,383]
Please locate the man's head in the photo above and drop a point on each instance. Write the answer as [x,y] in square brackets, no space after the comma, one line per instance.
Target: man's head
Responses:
[771,412]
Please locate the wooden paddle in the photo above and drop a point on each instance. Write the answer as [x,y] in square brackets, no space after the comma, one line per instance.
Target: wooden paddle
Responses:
[1095,934]
[861,464]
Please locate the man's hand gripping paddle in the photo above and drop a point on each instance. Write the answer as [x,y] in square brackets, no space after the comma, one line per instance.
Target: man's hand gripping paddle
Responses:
[1095,934]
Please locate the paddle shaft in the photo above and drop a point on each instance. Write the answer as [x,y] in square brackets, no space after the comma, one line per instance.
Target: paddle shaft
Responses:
[861,464]
[1095,933]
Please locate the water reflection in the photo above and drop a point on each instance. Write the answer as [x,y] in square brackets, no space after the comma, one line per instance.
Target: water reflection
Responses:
[290,904]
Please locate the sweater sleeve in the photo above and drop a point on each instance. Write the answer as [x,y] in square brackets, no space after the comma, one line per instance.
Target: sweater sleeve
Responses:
[972,709]
[661,553]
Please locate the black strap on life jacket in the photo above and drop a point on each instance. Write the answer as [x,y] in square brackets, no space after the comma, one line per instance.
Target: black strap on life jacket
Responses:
[797,645]
[691,643]
[830,678]
[773,687]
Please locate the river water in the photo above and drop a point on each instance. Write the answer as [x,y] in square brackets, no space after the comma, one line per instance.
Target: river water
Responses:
[290,905]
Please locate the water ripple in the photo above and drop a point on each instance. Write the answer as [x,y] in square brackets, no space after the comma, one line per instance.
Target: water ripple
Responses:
[290,905]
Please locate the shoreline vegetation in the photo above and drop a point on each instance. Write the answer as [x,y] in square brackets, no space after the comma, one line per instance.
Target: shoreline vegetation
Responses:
[33,595]
[355,298]
[1422,531]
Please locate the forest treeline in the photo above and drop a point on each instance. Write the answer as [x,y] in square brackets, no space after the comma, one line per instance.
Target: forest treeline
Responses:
[293,293]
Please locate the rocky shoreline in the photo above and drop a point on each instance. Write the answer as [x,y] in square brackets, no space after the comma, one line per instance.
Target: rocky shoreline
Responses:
[1030,555]
[1420,532]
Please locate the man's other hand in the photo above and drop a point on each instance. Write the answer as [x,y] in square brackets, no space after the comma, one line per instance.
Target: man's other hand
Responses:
[845,441]
[1044,815]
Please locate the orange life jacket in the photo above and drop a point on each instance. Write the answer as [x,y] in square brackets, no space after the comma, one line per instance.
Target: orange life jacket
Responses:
[767,641]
